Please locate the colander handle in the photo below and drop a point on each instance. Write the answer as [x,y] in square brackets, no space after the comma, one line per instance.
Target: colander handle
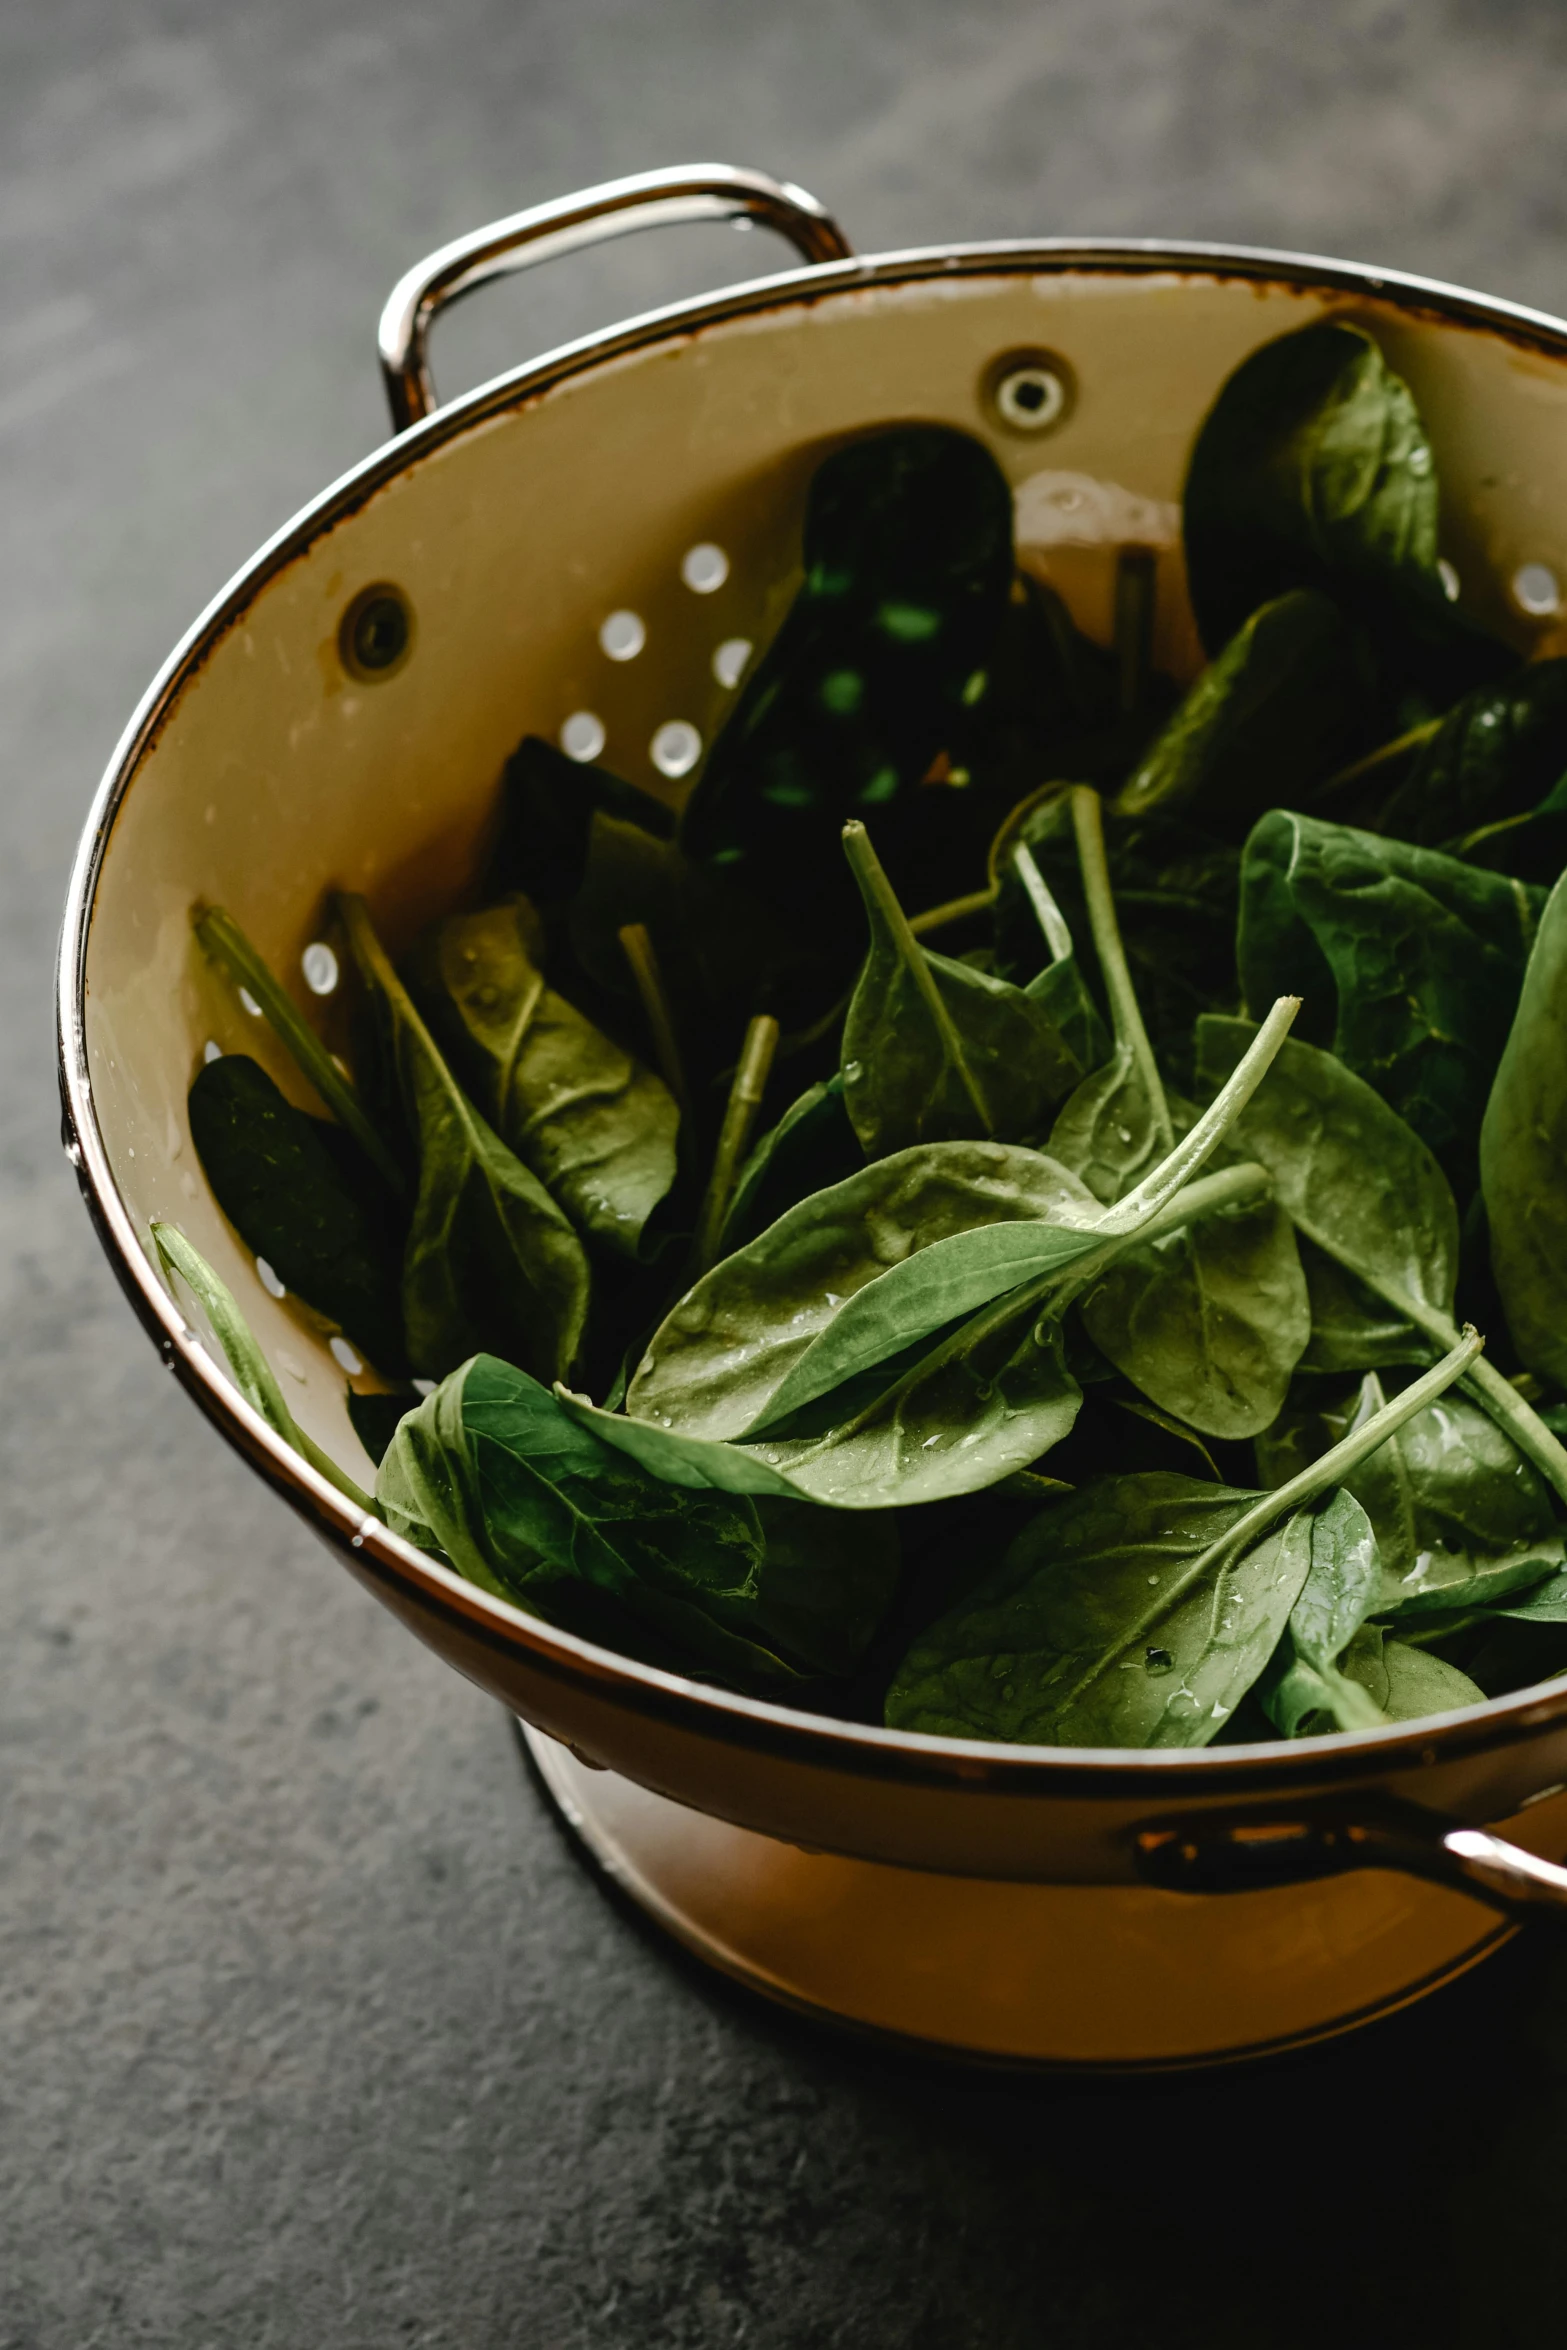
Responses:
[648,199]
[1242,1851]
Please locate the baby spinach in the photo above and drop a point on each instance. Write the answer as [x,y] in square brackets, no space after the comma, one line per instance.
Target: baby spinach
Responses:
[489,1256]
[1313,470]
[595,1127]
[548,803]
[933,1050]
[1283,705]
[1495,755]
[1359,1183]
[252,1372]
[908,566]
[1138,1611]
[1060,986]
[1409,962]
[1523,1154]
[525,1500]
[298,1199]
[1303,1687]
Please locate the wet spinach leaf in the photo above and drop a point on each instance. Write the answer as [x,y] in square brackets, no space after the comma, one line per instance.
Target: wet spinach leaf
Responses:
[934,1050]
[596,1128]
[1420,1684]
[301,1196]
[1060,986]
[1523,1156]
[1303,1691]
[1410,964]
[1285,703]
[527,1502]
[908,569]
[490,1259]
[1313,470]
[1137,1612]
[548,803]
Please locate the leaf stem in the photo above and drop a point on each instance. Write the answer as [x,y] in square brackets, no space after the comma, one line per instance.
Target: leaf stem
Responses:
[1051,920]
[1382,756]
[253,1374]
[745,1099]
[1125,1016]
[953,910]
[1210,1129]
[636,944]
[223,941]
[878,891]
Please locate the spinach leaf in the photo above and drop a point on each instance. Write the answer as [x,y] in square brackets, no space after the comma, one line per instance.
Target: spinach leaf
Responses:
[1351,1328]
[297,1199]
[1303,1691]
[1209,1321]
[1496,754]
[548,803]
[1409,963]
[855,1275]
[376,1417]
[1313,470]
[252,1372]
[1284,704]
[1420,1684]
[1138,1612]
[1461,1518]
[525,1501]
[596,1128]
[490,1257]
[933,1050]
[908,568]
[812,1147]
[1523,1154]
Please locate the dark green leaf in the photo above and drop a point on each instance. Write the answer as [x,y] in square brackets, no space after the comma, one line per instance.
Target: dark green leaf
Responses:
[1351,1327]
[812,1147]
[596,1128]
[1286,702]
[908,568]
[548,803]
[1304,1689]
[1313,470]
[328,1230]
[1523,1156]
[1497,753]
[1409,962]
[376,1417]
[490,1259]
[933,1050]
[526,1501]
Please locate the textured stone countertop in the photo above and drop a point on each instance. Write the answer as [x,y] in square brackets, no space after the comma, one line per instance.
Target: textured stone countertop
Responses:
[314,2035]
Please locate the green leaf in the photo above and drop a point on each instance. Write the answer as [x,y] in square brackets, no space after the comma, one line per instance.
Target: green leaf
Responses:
[221,938]
[1210,1321]
[376,1417]
[526,1501]
[490,1259]
[716,1365]
[1283,705]
[1138,1612]
[1420,1684]
[596,1128]
[1351,1328]
[908,568]
[1496,754]
[1061,987]
[548,803]
[933,1050]
[812,1147]
[1409,962]
[1313,470]
[252,1372]
[325,1226]
[1304,1690]
[1523,1152]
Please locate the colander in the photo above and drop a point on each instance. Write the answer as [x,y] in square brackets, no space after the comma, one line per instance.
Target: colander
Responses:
[589,548]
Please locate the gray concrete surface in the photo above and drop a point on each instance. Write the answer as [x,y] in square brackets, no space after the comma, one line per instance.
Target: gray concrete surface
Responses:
[312,2033]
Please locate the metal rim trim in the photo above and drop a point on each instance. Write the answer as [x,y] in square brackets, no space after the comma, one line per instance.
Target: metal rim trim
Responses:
[860,1749]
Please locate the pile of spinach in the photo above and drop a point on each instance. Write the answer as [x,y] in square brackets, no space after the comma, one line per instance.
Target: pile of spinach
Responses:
[1166,1090]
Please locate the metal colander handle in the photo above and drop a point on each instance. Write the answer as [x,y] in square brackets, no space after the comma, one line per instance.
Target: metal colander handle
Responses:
[1242,1851]
[648,199]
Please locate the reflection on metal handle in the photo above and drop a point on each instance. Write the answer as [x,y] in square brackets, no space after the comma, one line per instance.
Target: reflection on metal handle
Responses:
[648,199]
[1240,1852]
